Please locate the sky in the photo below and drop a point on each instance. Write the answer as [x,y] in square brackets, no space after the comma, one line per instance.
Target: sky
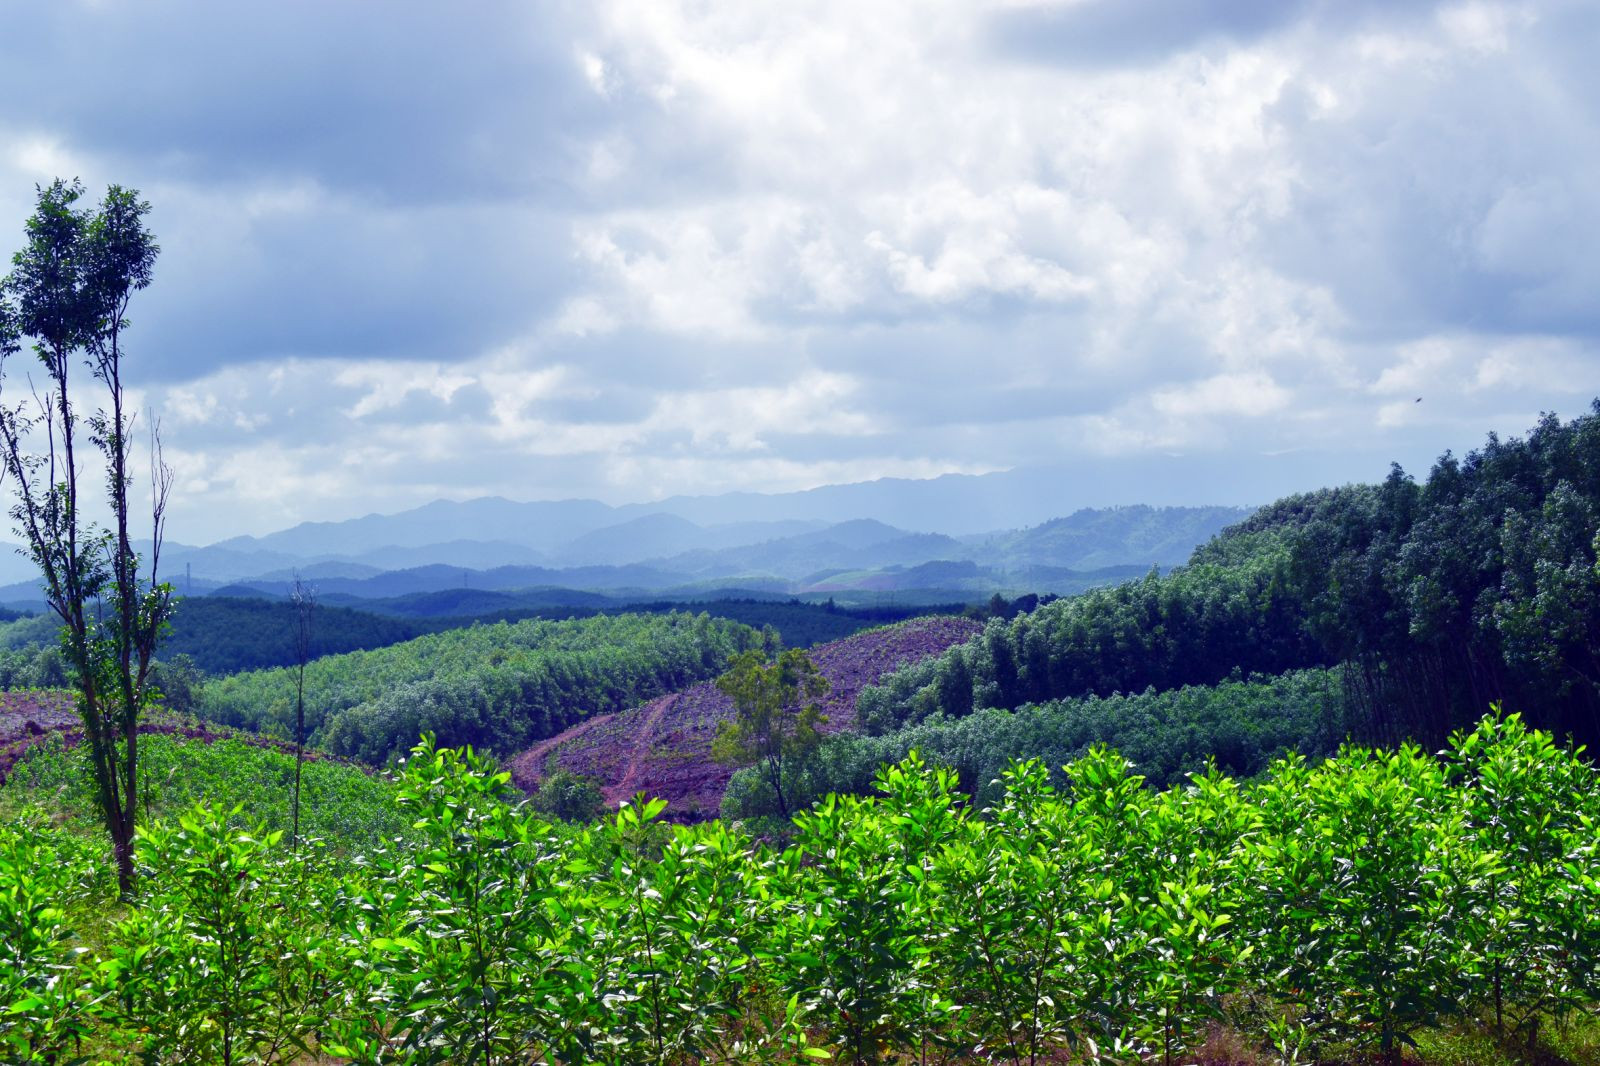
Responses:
[624,250]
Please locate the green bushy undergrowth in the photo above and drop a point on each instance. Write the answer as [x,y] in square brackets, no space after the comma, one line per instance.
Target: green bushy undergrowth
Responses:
[1325,911]
[346,805]
[1240,725]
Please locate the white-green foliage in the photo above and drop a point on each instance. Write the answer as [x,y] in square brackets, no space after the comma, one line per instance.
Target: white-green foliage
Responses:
[225,958]
[44,990]
[496,686]
[1325,909]
[350,807]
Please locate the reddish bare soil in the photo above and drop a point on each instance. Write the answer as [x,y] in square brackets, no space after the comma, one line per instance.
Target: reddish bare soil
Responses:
[663,748]
[29,718]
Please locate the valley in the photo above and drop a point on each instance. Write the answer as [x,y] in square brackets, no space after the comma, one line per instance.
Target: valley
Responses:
[1037,749]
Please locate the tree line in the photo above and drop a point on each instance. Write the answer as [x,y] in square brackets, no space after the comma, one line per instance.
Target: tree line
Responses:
[1433,600]
[499,686]
[1239,726]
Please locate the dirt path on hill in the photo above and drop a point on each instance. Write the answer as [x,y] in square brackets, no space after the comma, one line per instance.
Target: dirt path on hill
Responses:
[643,747]
[527,767]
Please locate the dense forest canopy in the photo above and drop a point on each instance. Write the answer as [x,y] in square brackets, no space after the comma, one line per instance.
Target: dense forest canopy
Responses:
[1379,612]
[498,686]
[226,634]
[1477,585]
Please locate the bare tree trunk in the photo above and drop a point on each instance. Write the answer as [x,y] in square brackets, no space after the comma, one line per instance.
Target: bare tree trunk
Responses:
[304,599]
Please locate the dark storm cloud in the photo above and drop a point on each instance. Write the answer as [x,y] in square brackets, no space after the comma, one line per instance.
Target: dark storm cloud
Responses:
[329,180]
[406,101]
[341,279]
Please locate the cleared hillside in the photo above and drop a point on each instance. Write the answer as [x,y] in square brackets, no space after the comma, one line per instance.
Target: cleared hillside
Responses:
[663,747]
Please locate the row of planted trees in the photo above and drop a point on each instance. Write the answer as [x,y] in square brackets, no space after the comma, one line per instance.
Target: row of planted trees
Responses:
[1342,905]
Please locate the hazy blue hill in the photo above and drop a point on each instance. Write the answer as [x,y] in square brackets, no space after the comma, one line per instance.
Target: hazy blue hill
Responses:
[940,574]
[239,590]
[543,524]
[437,578]
[1090,539]
[220,562]
[731,534]
[960,504]
[856,533]
[471,554]
[675,542]
[955,504]
[647,537]
[323,571]
[1060,556]
[689,540]
[467,602]
[862,543]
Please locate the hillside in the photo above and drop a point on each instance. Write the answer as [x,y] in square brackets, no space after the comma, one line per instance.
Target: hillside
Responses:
[1089,539]
[498,686]
[663,747]
[1387,612]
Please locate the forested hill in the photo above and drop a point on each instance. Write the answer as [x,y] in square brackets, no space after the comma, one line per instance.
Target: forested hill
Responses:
[1434,598]
[499,686]
[224,635]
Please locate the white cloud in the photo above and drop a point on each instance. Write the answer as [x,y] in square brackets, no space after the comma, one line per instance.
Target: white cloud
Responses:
[1482,26]
[765,246]
[385,386]
[1249,395]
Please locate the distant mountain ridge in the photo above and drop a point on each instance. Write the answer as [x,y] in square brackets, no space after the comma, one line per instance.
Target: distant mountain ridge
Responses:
[499,546]
[956,505]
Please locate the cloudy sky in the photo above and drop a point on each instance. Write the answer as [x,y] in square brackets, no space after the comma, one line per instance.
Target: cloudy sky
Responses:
[628,249]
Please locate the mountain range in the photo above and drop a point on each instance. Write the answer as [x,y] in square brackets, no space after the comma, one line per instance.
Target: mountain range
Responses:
[784,544]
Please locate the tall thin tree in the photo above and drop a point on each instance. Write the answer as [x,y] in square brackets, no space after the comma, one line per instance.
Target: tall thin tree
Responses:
[68,291]
[303,597]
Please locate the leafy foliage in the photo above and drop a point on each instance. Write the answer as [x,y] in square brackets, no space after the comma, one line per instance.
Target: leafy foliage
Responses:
[1239,725]
[1329,909]
[569,797]
[43,875]
[346,806]
[501,686]
[775,714]
[218,962]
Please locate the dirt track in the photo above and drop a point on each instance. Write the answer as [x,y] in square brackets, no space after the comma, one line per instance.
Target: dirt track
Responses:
[663,747]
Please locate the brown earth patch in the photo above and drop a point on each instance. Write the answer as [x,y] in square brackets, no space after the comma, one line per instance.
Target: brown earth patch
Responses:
[663,748]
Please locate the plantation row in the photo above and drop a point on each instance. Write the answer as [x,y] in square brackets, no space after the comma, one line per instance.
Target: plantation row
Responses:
[1337,906]
[341,802]
[1479,585]
[1238,725]
[501,686]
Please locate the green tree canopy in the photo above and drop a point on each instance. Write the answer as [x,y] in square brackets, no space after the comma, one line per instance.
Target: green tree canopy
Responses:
[775,713]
